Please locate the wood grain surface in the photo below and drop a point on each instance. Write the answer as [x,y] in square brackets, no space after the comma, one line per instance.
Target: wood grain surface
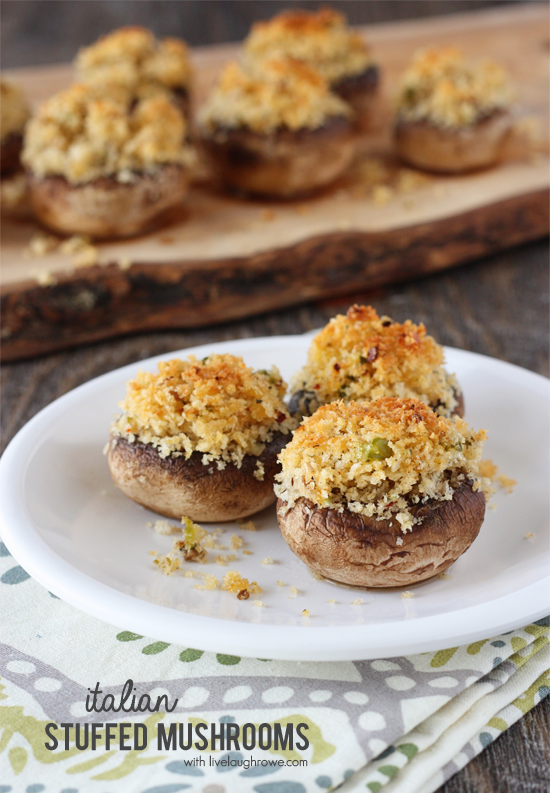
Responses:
[229,257]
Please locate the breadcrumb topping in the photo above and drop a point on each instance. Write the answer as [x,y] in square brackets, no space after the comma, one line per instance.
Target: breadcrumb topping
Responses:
[321,39]
[133,58]
[361,356]
[275,94]
[80,136]
[379,459]
[210,582]
[163,527]
[490,470]
[234,582]
[218,406]
[14,110]
[442,88]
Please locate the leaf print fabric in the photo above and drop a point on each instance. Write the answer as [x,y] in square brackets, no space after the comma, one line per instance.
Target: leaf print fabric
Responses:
[399,725]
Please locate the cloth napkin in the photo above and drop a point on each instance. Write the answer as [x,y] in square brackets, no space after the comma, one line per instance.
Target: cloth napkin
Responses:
[402,725]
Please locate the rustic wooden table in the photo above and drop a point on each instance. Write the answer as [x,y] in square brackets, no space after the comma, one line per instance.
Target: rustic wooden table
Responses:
[497,306]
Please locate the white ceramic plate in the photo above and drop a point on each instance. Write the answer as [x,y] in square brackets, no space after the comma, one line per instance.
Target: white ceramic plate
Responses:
[73,531]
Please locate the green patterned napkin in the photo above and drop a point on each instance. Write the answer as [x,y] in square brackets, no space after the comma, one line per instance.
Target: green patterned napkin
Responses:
[400,725]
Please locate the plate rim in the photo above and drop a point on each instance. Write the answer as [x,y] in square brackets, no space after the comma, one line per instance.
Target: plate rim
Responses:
[291,643]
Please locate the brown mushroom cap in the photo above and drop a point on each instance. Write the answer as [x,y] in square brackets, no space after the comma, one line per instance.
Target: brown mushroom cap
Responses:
[354,549]
[281,164]
[361,92]
[105,207]
[433,148]
[176,486]
[10,154]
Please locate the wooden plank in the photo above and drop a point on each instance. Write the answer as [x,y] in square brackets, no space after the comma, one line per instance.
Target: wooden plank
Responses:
[228,257]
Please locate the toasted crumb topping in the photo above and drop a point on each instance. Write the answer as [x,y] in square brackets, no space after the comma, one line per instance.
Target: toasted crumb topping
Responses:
[276,94]
[361,356]
[441,87]
[218,406]
[489,469]
[14,110]
[80,136]
[234,582]
[134,59]
[163,527]
[210,582]
[379,459]
[321,39]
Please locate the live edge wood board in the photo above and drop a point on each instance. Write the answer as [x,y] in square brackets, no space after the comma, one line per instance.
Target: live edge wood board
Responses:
[226,257]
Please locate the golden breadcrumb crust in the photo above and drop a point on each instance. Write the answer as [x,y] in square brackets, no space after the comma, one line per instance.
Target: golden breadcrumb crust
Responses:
[361,356]
[274,94]
[442,88]
[14,110]
[81,136]
[218,406]
[379,459]
[133,58]
[321,39]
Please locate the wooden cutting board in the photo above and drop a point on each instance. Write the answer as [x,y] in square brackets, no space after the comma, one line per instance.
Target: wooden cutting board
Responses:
[225,257]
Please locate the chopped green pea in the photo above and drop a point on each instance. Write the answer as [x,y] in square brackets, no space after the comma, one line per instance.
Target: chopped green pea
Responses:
[377,449]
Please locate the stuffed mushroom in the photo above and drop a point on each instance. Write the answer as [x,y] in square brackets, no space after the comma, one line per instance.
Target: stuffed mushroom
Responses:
[200,438]
[382,494]
[106,167]
[452,116]
[361,356]
[323,41]
[276,130]
[133,60]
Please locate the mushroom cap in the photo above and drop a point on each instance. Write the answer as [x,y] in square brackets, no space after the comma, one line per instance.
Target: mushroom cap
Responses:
[361,91]
[448,150]
[178,486]
[10,154]
[354,549]
[106,208]
[281,164]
